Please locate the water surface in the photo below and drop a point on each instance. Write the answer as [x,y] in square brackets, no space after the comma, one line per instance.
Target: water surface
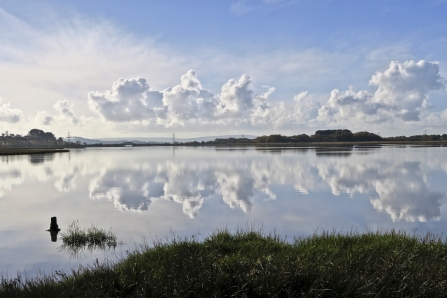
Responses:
[148,193]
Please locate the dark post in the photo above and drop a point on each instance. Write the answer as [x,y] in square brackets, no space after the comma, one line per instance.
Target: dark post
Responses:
[54,226]
[54,229]
[53,235]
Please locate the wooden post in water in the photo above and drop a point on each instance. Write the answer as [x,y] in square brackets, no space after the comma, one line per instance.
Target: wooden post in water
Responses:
[53,235]
[54,229]
[53,225]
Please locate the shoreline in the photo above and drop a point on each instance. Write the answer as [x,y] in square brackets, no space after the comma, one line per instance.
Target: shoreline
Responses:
[29,151]
[298,144]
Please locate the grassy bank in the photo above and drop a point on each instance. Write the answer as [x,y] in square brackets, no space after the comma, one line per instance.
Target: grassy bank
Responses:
[249,264]
[25,151]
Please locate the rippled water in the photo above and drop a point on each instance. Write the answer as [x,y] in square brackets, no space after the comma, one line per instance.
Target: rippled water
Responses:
[148,193]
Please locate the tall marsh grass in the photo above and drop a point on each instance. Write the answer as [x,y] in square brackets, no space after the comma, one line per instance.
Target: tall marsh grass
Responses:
[75,239]
[252,264]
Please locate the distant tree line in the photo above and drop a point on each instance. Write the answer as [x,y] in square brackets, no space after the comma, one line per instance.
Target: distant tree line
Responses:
[328,135]
[419,138]
[35,137]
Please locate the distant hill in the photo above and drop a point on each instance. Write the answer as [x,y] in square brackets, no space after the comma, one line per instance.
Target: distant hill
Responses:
[145,140]
[107,141]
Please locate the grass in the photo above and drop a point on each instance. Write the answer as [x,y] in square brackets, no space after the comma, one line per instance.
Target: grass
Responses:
[76,239]
[251,264]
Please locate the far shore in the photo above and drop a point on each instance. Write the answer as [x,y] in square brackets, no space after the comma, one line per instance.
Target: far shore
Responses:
[26,151]
[328,144]
[298,144]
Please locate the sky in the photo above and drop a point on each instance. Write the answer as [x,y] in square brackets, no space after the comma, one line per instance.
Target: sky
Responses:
[202,68]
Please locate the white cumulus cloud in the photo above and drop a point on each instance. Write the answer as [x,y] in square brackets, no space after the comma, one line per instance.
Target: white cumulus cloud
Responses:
[185,104]
[402,93]
[44,118]
[66,109]
[129,100]
[300,113]
[236,97]
[8,114]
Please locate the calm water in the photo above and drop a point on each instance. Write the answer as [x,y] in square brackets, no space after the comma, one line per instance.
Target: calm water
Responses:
[145,193]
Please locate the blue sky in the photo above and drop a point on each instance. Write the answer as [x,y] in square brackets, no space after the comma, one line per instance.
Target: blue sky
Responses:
[369,65]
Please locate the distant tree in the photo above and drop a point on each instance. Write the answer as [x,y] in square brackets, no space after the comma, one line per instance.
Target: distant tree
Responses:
[244,140]
[49,136]
[276,139]
[261,139]
[220,141]
[300,138]
[332,135]
[36,133]
[343,135]
[434,137]
[330,132]
[366,136]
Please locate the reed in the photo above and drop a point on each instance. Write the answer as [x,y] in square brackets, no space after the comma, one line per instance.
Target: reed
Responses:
[249,263]
[75,239]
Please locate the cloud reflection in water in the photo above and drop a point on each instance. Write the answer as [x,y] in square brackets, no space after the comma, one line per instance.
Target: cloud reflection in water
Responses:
[9,178]
[398,183]
[399,188]
[188,184]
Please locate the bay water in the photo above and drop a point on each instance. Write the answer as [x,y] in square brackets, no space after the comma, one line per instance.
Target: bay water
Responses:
[149,193]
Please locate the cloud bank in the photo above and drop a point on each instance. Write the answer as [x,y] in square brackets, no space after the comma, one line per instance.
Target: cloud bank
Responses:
[186,104]
[401,95]
[55,63]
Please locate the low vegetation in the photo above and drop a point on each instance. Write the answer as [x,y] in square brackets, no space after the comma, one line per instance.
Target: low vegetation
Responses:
[76,239]
[251,264]
[322,136]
